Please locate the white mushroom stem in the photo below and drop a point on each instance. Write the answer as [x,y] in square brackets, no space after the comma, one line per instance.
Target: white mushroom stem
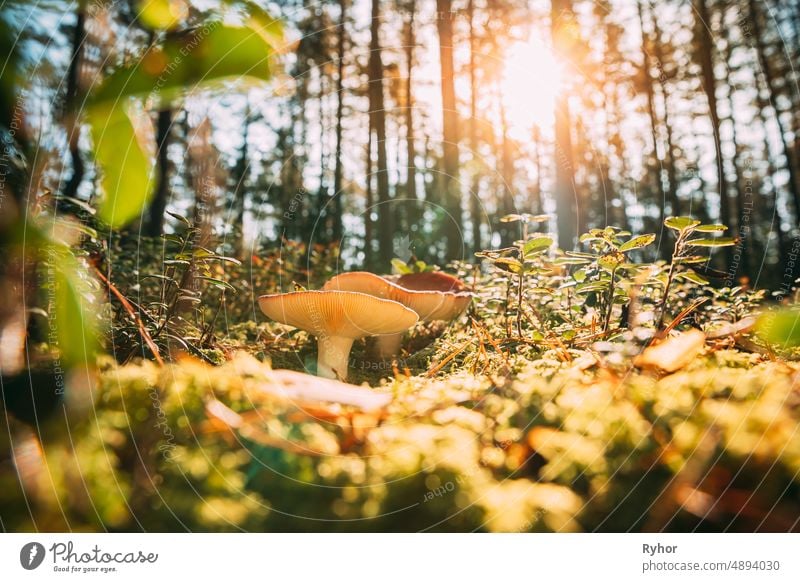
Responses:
[388,346]
[333,356]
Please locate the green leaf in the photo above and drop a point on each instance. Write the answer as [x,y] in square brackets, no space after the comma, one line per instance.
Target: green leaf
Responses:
[508,264]
[537,246]
[402,268]
[72,317]
[511,218]
[681,223]
[125,166]
[712,242]
[611,261]
[570,261]
[637,242]
[204,55]
[592,286]
[711,228]
[162,14]
[780,327]
[693,277]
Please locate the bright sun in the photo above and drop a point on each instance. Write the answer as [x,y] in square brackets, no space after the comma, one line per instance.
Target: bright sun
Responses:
[531,83]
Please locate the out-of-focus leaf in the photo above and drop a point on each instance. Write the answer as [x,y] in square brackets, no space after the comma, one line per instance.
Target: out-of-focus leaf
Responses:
[204,55]
[126,167]
[75,328]
[780,327]
[693,277]
[162,14]
[401,267]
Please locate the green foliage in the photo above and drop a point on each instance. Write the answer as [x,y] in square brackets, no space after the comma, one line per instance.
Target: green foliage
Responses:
[781,327]
[682,262]
[195,58]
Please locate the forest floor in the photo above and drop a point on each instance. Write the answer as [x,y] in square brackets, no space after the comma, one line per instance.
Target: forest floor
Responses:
[499,421]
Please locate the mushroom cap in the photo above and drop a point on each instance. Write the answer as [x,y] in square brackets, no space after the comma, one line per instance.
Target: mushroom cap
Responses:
[338,313]
[431,305]
[431,281]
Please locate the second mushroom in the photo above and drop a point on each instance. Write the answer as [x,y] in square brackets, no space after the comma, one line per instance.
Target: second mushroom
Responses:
[429,304]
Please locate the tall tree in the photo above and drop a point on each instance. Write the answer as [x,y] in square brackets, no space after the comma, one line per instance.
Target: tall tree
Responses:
[704,49]
[561,19]
[338,168]
[450,164]
[474,198]
[378,121]
[71,102]
[415,213]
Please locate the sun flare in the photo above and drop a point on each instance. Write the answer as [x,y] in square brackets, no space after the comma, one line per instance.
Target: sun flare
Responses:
[531,83]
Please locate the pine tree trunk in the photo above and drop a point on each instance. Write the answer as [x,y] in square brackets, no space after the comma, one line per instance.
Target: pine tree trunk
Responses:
[565,193]
[705,51]
[73,81]
[450,165]
[158,205]
[474,198]
[338,163]
[378,114]
[414,213]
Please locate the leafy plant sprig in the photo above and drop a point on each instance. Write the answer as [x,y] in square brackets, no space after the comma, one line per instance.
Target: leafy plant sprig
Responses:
[520,259]
[687,228]
[601,269]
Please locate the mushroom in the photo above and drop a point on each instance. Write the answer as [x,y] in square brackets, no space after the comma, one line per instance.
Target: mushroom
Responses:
[431,281]
[429,304]
[337,318]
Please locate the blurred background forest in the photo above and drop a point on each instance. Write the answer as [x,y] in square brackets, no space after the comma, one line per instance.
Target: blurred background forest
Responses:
[408,127]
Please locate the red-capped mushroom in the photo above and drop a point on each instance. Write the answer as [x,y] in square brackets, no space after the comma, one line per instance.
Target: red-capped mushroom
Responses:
[430,305]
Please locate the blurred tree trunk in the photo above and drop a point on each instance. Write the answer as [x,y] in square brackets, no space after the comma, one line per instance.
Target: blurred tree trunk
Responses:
[158,205]
[536,206]
[675,206]
[475,201]
[451,191]
[414,214]
[378,116]
[647,80]
[508,231]
[338,163]
[368,202]
[240,185]
[769,81]
[564,190]
[71,104]
[704,46]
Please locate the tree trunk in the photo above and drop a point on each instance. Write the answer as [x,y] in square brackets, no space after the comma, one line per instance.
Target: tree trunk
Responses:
[475,201]
[158,205]
[368,258]
[769,79]
[705,48]
[338,164]
[415,213]
[378,115]
[452,198]
[675,207]
[73,89]
[666,252]
[564,190]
